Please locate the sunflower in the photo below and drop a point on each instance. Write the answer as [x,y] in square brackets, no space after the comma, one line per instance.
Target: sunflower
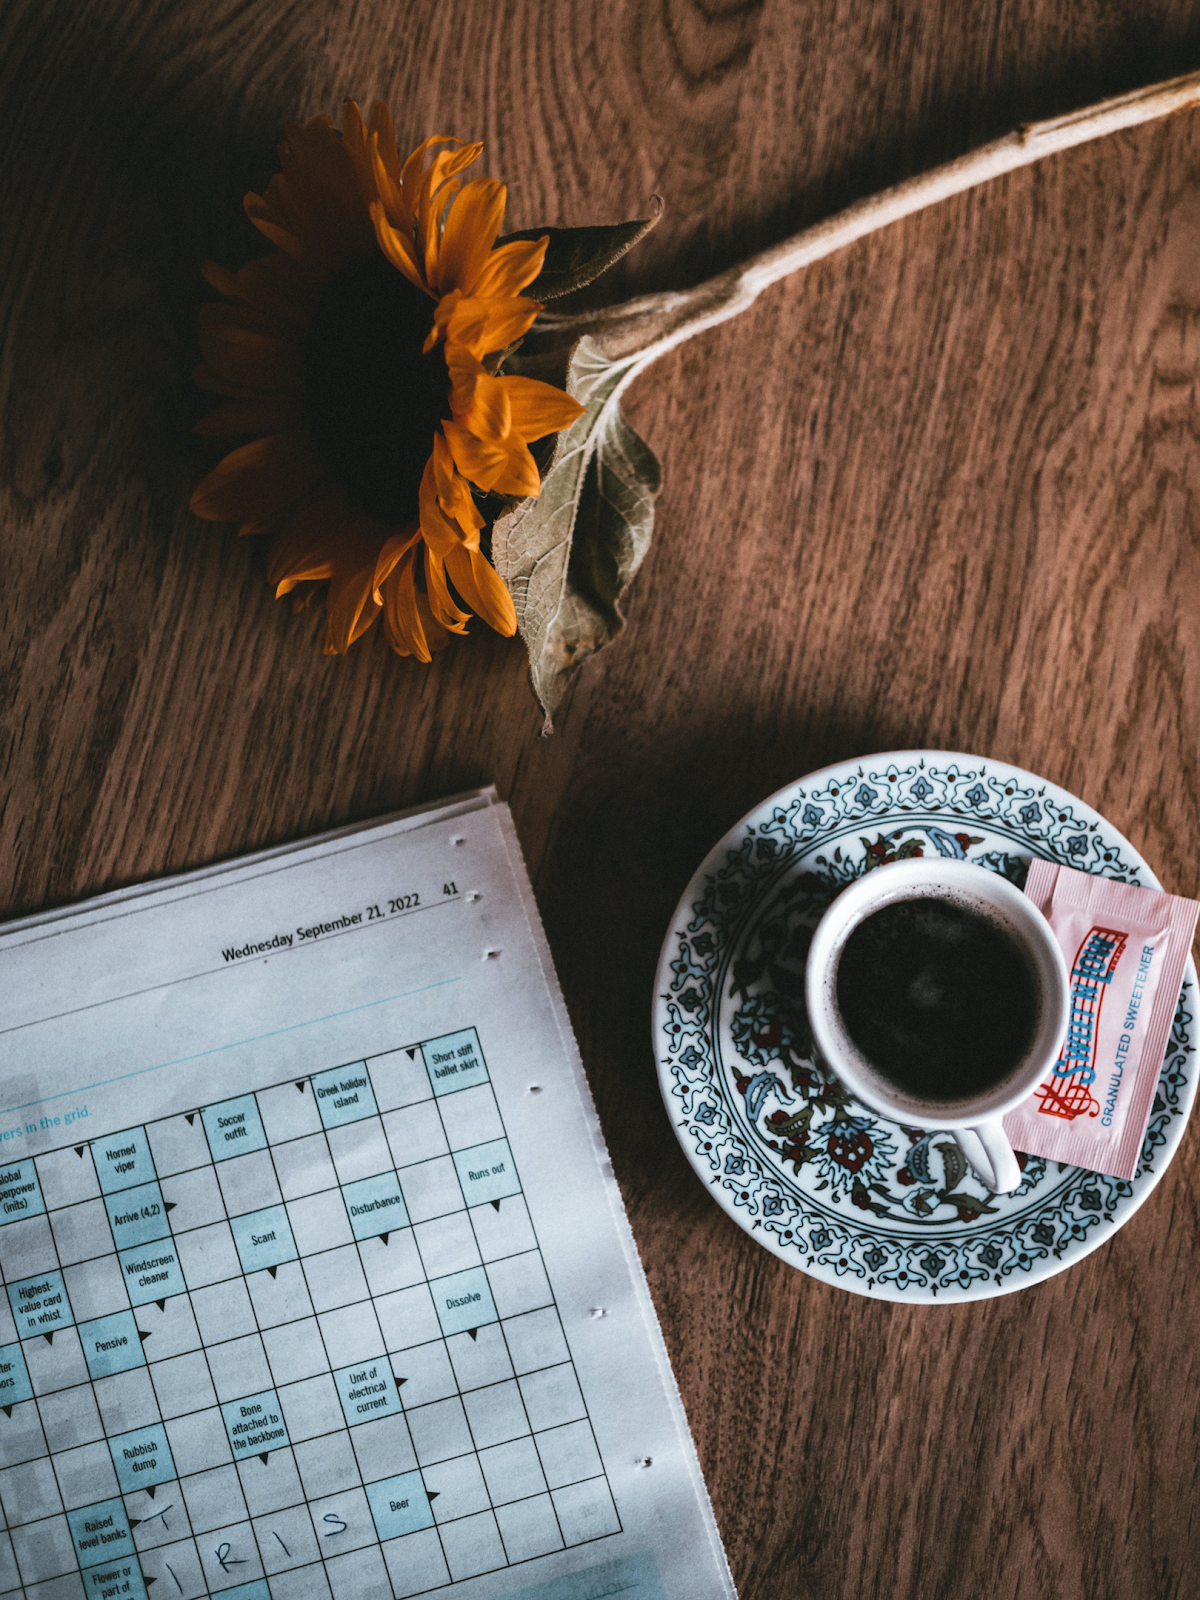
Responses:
[363,359]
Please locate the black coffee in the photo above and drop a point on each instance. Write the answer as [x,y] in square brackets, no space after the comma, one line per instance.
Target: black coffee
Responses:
[940,1000]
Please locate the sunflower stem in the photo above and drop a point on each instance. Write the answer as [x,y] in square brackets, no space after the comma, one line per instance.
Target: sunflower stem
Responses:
[647,327]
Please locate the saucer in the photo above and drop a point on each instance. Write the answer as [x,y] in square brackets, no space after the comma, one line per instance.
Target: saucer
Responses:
[825,1183]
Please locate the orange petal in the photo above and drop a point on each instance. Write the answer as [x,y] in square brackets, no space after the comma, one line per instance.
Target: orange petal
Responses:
[472,223]
[398,248]
[479,584]
[390,556]
[258,482]
[311,542]
[538,408]
[402,620]
[482,461]
[489,414]
[441,605]
[510,267]
[263,413]
[253,361]
[382,133]
[350,608]
[482,326]
[259,214]
[520,475]
[275,284]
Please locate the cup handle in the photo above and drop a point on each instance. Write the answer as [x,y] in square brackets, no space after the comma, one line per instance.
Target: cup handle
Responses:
[987,1148]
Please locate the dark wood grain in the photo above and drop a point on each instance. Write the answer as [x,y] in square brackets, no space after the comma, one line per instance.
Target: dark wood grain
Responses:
[941,490]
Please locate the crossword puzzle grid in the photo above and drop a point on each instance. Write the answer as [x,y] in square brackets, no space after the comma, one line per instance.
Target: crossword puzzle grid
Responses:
[296,1345]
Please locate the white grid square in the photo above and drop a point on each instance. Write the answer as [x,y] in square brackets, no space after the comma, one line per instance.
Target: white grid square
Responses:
[223,1574]
[295,1350]
[359,1150]
[383,1448]
[512,1471]
[66,1177]
[44,1549]
[335,1278]
[212,1498]
[198,1443]
[81,1231]
[68,1587]
[223,1311]
[248,1182]
[177,1144]
[424,1374]
[399,1078]
[270,1485]
[282,1298]
[197,1199]
[70,1418]
[361,1575]
[286,1540]
[459,1488]
[585,1511]
[96,1288]
[447,1245]
[535,1340]
[182,1384]
[208,1255]
[126,1400]
[10,1578]
[287,1112]
[394,1265]
[327,1465]
[161,1521]
[311,1408]
[431,1189]
[552,1396]
[439,1431]
[305,1583]
[568,1454]
[496,1414]
[178,1563]
[304,1167]
[54,1366]
[350,1509]
[471,1117]
[172,1327]
[30,1491]
[415,1134]
[407,1317]
[481,1360]
[351,1334]
[473,1546]
[503,1230]
[529,1528]
[415,1563]
[519,1284]
[85,1476]
[239,1367]
[28,1249]
[23,1437]
[319,1221]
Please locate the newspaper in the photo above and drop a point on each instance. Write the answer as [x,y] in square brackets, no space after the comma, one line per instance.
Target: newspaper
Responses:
[316,1282]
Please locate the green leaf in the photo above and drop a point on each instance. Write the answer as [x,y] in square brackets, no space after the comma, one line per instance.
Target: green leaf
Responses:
[568,555]
[577,256]
[955,1163]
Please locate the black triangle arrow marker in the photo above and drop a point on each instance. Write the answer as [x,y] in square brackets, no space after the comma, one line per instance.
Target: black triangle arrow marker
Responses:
[412,1054]
[272,1270]
[300,1085]
[169,1205]
[399,1381]
[133,1521]
[143,1337]
[79,1149]
[263,1457]
[150,1487]
[49,1338]
[149,1581]
[495,1205]
[7,1410]
[384,1237]
[433,1494]
[474,1332]
[191,1118]
[161,1304]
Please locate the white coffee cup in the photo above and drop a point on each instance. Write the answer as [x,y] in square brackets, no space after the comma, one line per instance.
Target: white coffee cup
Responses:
[974,1120]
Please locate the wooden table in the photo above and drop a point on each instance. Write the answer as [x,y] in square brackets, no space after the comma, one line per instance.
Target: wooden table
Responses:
[940,490]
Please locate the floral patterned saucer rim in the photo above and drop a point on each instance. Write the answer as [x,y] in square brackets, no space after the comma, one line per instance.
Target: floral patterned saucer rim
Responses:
[825,1216]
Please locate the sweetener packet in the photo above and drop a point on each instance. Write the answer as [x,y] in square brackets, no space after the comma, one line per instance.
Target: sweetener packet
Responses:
[1125,950]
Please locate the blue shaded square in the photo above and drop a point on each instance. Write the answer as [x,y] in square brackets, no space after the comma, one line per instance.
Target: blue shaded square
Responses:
[255,1424]
[111,1344]
[20,1192]
[123,1160]
[14,1379]
[344,1095]
[248,1591]
[142,1458]
[487,1172]
[234,1127]
[152,1272]
[399,1505]
[463,1300]
[375,1205]
[263,1238]
[40,1305]
[454,1061]
[367,1390]
[120,1579]
[137,1215]
[100,1533]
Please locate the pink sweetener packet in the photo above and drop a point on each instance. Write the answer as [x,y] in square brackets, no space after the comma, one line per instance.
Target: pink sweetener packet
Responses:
[1125,950]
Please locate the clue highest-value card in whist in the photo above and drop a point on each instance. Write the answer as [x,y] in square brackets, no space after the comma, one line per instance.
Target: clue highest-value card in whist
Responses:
[315,1282]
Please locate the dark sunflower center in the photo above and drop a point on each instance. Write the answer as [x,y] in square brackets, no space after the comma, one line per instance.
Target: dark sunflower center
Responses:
[372,400]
